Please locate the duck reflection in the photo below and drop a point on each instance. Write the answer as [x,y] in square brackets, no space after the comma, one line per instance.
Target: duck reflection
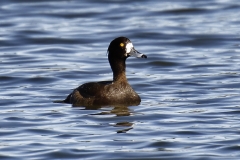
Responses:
[124,124]
[118,110]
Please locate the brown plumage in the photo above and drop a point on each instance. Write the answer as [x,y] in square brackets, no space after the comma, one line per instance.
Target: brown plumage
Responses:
[113,92]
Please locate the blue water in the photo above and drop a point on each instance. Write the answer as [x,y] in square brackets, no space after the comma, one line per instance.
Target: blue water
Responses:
[189,85]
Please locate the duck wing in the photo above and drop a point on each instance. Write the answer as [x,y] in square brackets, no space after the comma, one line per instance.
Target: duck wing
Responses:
[93,89]
[89,90]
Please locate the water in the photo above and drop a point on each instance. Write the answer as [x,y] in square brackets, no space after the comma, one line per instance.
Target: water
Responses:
[189,85]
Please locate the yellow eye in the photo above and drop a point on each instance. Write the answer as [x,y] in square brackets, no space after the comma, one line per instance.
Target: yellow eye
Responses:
[121,44]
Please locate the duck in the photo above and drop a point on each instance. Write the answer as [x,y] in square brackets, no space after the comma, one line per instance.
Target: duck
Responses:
[115,92]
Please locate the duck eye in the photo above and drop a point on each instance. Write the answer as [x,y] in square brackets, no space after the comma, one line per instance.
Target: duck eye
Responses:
[122,44]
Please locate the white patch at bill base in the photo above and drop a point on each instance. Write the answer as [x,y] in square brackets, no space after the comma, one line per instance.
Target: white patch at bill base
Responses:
[129,47]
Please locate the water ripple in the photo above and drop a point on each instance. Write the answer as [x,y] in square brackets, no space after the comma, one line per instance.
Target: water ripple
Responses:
[189,84]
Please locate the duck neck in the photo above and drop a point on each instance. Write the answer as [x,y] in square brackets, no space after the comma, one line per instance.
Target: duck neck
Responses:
[118,68]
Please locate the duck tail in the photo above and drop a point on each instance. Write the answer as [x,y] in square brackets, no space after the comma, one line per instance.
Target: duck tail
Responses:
[67,100]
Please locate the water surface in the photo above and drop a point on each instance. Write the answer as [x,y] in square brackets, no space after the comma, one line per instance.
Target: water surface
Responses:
[189,85]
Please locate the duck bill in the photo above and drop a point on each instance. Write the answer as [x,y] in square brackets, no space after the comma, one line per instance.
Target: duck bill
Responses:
[137,54]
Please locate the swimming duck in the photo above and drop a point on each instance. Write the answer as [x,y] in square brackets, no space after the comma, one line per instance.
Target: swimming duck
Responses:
[113,92]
